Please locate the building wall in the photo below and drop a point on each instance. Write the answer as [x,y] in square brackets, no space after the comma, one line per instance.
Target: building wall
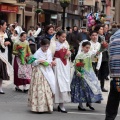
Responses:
[117,11]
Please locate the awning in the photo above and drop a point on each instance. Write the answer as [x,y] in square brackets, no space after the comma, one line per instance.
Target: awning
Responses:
[8,8]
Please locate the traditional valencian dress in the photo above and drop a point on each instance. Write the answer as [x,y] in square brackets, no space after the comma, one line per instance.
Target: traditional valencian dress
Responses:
[42,85]
[85,89]
[61,70]
[6,70]
[22,73]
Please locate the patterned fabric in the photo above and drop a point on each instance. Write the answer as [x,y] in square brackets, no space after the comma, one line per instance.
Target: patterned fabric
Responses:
[24,71]
[3,71]
[114,51]
[40,98]
[81,92]
[19,81]
[86,88]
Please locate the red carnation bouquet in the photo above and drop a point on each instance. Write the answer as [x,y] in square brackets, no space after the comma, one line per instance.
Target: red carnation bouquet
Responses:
[104,46]
[20,50]
[79,66]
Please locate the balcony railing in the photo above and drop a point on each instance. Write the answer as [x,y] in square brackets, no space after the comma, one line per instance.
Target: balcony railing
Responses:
[56,7]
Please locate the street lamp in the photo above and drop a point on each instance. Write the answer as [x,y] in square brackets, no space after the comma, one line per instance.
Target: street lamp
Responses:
[103,5]
[38,1]
[64,4]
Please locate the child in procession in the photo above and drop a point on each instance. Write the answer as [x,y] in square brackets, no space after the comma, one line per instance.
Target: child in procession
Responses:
[85,87]
[60,50]
[6,70]
[42,87]
[22,70]
[95,45]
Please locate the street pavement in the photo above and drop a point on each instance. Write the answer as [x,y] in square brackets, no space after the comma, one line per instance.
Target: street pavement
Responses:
[13,106]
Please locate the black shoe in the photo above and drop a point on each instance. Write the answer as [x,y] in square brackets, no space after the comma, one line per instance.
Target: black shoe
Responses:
[2,93]
[104,90]
[18,89]
[25,91]
[82,109]
[98,102]
[59,110]
[88,105]
[107,78]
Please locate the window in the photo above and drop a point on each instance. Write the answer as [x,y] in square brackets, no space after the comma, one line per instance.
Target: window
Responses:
[113,3]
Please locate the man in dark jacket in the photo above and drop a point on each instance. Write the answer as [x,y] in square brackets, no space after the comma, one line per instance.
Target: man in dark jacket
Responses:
[74,40]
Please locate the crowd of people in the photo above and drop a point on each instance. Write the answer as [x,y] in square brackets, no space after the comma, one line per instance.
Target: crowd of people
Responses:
[49,74]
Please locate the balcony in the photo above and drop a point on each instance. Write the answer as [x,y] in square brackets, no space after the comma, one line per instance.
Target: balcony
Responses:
[9,1]
[14,2]
[57,8]
[89,2]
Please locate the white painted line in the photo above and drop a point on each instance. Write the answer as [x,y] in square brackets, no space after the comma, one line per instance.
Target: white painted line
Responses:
[88,113]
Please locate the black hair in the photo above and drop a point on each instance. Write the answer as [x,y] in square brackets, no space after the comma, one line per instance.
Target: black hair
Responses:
[48,27]
[22,34]
[16,32]
[59,33]
[2,22]
[97,28]
[44,41]
[92,31]
[38,24]
[86,43]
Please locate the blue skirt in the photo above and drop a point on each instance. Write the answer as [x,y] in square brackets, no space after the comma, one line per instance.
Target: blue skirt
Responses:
[81,92]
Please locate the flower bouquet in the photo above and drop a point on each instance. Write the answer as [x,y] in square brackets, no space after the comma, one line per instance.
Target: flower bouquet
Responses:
[29,58]
[79,66]
[104,46]
[20,50]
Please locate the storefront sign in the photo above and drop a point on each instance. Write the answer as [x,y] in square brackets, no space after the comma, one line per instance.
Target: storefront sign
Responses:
[8,8]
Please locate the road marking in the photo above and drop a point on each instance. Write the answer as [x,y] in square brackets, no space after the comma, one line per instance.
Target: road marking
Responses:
[88,113]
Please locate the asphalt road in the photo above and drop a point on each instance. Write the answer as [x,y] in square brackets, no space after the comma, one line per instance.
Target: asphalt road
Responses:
[13,106]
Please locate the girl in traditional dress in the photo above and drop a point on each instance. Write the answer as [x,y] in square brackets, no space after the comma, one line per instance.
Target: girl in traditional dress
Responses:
[22,70]
[60,49]
[6,70]
[85,86]
[42,87]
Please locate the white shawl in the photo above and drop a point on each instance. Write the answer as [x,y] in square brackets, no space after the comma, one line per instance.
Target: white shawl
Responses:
[47,71]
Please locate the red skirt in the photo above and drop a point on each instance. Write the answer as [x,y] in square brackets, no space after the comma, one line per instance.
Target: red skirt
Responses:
[19,81]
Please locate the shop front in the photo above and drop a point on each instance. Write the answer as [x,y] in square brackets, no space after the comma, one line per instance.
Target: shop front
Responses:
[8,12]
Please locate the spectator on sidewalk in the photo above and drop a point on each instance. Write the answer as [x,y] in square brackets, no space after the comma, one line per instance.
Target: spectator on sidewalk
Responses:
[114,60]
[18,28]
[49,33]
[38,32]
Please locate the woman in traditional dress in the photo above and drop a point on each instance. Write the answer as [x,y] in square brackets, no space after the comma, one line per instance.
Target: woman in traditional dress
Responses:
[6,70]
[85,86]
[22,70]
[42,87]
[60,50]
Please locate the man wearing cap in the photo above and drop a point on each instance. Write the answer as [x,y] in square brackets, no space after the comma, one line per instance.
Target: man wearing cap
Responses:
[83,34]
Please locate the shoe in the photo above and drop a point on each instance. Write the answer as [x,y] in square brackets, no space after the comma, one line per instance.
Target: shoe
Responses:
[98,102]
[2,93]
[59,110]
[107,78]
[88,105]
[18,89]
[82,109]
[104,90]
[25,91]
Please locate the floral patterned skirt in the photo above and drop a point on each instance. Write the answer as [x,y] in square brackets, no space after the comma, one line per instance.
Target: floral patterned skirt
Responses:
[40,97]
[81,92]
